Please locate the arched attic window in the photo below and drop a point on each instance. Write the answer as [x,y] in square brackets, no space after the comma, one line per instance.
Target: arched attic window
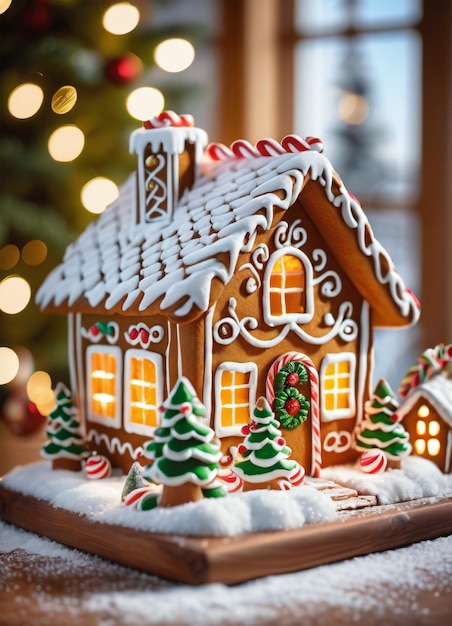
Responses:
[288,288]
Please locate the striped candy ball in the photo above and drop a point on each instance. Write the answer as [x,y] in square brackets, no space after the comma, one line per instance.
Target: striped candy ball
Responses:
[373,461]
[97,466]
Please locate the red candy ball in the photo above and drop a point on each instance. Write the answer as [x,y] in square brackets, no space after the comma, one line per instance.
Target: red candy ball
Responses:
[133,334]
[292,379]
[292,406]
[245,430]
[94,330]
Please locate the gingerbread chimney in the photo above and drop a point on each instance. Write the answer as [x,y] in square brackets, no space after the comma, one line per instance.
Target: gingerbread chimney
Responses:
[169,151]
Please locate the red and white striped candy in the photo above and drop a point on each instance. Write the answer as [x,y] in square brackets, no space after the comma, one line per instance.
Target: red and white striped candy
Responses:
[135,496]
[168,118]
[97,466]
[373,461]
[297,479]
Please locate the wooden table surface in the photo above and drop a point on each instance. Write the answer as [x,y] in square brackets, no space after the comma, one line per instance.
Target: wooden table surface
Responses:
[43,583]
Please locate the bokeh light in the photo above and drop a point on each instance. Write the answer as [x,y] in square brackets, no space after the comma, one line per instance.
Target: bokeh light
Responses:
[98,193]
[9,365]
[15,294]
[39,391]
[174,55]
[64,99]
[4,5]
[145,102]
[34,252]
[353,108]
[121,18]
[25,100]
[9,256]
[66,143]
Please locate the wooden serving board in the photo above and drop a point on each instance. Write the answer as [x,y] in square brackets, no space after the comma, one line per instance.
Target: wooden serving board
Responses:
[230,560]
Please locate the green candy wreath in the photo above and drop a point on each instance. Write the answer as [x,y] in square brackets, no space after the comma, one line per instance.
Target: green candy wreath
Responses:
[291,407]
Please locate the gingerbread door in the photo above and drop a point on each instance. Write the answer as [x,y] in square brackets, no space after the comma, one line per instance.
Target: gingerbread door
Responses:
[292,389]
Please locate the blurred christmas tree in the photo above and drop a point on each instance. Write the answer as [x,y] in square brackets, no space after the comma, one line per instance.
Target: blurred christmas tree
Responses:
[80,75]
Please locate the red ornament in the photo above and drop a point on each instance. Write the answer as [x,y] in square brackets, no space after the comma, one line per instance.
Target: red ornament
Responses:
[133,334]
[241,449]
[281,441]
[292,406]
[185,408]
[245,430]
[292,379]
[21,415]
[124,69]
[94,330]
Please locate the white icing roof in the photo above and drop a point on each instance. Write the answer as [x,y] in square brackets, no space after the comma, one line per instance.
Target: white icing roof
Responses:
[115,266]
[438,391]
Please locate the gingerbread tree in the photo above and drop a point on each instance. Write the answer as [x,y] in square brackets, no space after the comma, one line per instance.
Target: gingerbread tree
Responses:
[66,447]
[265,453]
[381,427]
[184,453]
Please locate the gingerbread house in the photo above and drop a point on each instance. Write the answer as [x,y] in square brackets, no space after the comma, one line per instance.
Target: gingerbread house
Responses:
[234,267]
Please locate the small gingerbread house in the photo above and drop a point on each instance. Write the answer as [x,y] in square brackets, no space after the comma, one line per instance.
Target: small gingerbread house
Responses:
[427,416]
[250,270]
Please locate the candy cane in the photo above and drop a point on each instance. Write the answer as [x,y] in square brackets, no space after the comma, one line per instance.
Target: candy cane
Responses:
[242,149]
[315,405]
[432,361]
[168,118]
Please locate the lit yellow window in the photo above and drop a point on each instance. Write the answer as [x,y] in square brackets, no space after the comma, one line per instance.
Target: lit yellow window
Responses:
[143,380]
[143,391]
[337,385]
[103,384]
[235,392]
[427,431]
[287,286]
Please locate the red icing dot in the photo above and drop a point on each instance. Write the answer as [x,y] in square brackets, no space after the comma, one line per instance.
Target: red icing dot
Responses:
[241,449]
[185,409]
[281,441]
[133,333]
[292,406]
[245,430]
[292,379]
[144,335]
[94,330]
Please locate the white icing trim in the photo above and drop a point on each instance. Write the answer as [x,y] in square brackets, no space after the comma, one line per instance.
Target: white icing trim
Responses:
[447,465]
[78,368]
[232,366]
[129,426]
[113,443]
[344,413]
[112,422]
[208,362]
[337,441]
[364,346]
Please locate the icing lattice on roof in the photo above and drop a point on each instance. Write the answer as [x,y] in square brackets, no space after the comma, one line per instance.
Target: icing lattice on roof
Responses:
[114,265]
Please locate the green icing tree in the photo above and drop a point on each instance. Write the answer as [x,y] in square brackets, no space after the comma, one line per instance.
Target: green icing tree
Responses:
[66,446]
[184,453]
[265,453]
[381,427]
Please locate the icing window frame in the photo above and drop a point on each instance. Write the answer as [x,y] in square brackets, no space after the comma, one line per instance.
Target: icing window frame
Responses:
[112,378]
[283,291]
[337,384]
[146,389]
[234,369]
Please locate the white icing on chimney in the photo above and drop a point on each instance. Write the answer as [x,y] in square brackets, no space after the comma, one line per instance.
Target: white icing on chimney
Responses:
[169,151]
